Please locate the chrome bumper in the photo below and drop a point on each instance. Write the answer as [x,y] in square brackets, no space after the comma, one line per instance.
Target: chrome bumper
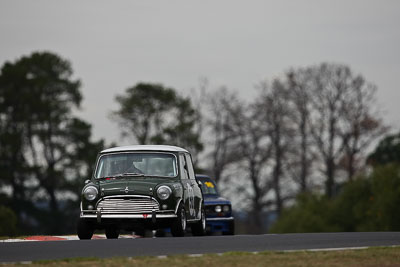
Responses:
[97,214]
[129,216]
[129,211]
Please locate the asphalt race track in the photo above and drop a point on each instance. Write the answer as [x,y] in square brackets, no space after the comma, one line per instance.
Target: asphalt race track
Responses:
[30,251]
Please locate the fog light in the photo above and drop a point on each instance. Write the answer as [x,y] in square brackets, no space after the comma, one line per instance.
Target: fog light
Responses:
[164,206]
[90,207]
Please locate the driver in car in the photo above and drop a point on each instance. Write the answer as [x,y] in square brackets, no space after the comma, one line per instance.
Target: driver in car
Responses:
[133,169]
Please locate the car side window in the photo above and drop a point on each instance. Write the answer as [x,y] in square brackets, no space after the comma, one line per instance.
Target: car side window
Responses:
[183,167]
[190,166]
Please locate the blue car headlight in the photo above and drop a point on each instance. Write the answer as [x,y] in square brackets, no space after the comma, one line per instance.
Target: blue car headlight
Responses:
[226,208]
[218,208]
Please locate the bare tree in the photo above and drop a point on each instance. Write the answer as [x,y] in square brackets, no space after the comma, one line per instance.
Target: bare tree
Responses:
[329,86]
[319,119]
[239,140]
[273,104]
[255,137]
[255,149]
[299,99]
[362,124]
[341,119]
[223,152]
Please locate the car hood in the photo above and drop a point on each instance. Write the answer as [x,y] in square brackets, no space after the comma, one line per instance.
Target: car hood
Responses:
[130,186]
[214,200]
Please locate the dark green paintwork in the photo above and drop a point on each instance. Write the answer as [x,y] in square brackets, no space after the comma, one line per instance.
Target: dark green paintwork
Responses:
[147,186]
[136,185]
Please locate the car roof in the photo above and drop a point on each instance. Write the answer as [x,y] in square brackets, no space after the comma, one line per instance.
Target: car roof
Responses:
[145,148]
[204,177]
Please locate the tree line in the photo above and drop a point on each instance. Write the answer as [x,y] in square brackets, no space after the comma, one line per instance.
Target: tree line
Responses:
[369,202]
[45,151]
[307,131]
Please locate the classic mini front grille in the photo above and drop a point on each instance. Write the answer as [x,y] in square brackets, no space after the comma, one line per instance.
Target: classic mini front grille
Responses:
[128,205]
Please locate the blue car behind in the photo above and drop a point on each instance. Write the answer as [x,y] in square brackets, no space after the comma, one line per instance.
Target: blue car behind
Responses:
[219,217]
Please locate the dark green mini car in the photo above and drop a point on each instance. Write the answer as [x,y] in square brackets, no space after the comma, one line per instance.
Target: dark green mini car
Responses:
[136,188]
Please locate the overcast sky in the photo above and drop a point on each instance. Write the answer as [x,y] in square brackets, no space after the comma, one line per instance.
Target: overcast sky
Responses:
[113,45]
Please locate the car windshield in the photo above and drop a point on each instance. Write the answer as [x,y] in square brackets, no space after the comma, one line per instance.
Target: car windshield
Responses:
[208,187]
[137,164]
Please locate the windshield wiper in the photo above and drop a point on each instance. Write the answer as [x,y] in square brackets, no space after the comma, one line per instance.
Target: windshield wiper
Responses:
[160,176]
[123,175]
[130,174]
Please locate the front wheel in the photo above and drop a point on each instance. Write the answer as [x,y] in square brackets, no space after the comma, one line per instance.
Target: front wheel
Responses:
[140,232]
[85,229]
[112,232]
[178,227]
[199,228]
[231,229]
[160,233]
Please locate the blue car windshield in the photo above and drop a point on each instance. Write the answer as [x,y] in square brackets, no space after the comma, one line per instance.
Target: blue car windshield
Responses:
[139,164]
[208,187]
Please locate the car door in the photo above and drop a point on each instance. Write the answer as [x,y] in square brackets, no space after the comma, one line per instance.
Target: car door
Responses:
[188,193]
[198,196]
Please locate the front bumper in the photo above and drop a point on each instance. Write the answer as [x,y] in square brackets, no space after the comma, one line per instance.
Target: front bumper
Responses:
[219,224]
[137,207]
[97,214]
[218,219]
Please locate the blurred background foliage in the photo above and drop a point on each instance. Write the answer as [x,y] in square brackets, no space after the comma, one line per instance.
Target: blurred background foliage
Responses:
[45,151]
[369,203]
[8,219]
[298,155]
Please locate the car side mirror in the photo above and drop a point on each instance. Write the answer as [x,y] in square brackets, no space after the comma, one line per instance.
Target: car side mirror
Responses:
[87,181]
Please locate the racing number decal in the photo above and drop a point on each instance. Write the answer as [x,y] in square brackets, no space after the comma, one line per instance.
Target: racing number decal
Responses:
[209,184]
[191,200]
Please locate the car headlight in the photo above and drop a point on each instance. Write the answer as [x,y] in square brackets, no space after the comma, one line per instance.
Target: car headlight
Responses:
[163,192]
[218,209]
[90,193]
[226,208]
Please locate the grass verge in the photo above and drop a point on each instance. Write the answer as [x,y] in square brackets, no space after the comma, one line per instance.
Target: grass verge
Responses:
[385,256]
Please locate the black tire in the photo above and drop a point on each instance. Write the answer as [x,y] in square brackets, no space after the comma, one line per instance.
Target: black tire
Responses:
[178,227]
[199,228]
[140,232]
[231,230]
[85,229]
[112,232]
[160,233]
